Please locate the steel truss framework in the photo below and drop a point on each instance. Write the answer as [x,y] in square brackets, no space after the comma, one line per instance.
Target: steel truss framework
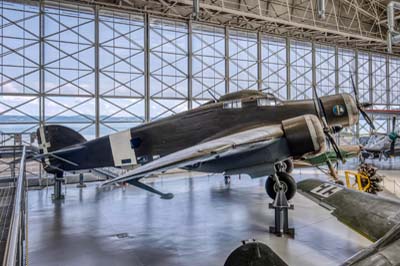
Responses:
[100,70]
[355,23]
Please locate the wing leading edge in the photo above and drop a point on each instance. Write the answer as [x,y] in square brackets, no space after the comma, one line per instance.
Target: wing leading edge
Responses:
[225,146]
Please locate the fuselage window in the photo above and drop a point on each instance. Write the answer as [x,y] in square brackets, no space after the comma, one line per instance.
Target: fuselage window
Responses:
[235,104]
[266,102]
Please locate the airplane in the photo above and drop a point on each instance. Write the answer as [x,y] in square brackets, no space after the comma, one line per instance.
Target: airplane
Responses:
[380,145]
[347,151]
[375,217]
[328,158]
[245,132]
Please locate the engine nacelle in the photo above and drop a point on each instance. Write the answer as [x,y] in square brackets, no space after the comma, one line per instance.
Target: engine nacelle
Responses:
[304,135]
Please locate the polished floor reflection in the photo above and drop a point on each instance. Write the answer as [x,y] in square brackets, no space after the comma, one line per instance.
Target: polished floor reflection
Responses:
[203,223]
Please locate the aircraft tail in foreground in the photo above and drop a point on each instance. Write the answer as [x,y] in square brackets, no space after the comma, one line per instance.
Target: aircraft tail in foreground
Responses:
[55,137]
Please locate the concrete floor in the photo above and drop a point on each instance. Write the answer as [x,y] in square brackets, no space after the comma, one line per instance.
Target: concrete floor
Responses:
[201,226]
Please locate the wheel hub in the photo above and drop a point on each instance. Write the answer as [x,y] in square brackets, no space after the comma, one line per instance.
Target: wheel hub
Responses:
[284,187]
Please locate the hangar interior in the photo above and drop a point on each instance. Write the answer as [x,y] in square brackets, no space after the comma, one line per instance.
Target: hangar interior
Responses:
[104,66]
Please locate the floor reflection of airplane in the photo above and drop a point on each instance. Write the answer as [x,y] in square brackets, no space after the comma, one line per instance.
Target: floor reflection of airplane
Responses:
[246,132]
[381,145]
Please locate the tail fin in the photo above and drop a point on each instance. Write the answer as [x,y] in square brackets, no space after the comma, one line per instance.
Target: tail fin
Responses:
[54,137]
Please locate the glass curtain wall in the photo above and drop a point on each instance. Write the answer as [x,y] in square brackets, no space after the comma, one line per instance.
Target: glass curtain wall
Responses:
[99,70]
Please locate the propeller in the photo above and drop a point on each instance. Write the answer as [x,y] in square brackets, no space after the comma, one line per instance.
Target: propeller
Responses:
[393,123]
[393,136]
[327,130]
[360,106]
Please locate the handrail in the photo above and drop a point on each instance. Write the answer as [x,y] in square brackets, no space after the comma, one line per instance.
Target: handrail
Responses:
[13,252]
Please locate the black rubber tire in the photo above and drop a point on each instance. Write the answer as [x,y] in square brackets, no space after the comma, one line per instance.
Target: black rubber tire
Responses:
[289,166]
[288,182]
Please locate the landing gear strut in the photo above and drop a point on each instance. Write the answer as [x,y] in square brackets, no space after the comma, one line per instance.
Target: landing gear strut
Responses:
[287,166]
[281,187]
[58,180]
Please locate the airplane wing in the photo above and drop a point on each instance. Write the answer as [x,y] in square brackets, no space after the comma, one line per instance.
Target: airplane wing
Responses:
[213,149]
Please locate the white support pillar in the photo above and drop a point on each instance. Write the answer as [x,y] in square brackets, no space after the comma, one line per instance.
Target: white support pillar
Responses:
[336,69]
[356,85]
[146,67]
[313,66]
[387,62]
[288,82]
[227,79]
[97,70]
[190,62]
[41,64]
[259,61]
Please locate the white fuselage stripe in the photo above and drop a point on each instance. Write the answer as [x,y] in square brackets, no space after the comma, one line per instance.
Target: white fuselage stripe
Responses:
[122,152]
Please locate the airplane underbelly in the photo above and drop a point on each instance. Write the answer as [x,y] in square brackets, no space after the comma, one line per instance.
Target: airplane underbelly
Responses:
[255,163]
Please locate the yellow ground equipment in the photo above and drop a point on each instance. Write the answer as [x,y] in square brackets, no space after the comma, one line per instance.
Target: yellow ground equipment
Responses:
[365,179]
[361,182]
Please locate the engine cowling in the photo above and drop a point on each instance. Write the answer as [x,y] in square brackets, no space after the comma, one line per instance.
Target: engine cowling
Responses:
[304,135]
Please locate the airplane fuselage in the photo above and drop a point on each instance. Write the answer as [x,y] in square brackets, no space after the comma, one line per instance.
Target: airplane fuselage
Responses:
[158,138]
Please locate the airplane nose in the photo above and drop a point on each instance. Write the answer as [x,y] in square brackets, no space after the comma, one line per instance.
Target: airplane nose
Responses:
[351,107]
[340,109]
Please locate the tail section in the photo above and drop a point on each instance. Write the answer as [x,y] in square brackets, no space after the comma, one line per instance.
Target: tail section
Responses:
[55,137]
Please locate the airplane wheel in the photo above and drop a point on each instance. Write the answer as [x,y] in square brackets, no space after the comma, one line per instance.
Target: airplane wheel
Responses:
[288,183]
[288,166]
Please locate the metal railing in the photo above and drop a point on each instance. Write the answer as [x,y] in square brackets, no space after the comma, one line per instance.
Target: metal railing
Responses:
[11,145]
[14,253]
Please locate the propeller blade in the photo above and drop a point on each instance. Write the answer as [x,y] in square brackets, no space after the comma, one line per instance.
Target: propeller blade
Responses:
[393,123]
[367,118]
[392,147]
[393,136]
[354,88]
[360,106]
[335,147]
[319,108]
[327,130]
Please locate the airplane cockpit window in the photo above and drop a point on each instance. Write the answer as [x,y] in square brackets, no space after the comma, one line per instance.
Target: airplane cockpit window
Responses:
[270,100]
[235,104]
[266,102]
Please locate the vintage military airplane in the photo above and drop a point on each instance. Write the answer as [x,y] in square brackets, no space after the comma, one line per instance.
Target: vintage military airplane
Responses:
[328,158]
[375,217]
[381,145]
[347,151]
[248,132]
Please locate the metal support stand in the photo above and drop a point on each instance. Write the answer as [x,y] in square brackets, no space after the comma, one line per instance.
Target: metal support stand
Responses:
[58,179]
[81,184]
[227,179]
[281,207]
